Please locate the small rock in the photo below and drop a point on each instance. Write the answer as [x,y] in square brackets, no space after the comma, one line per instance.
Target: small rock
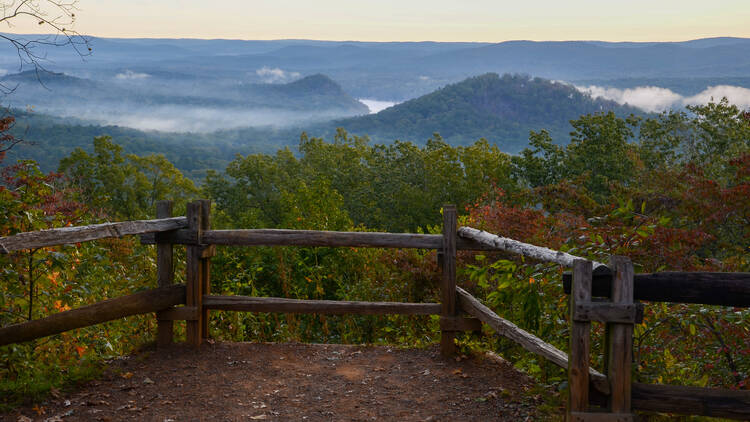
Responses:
[147,380]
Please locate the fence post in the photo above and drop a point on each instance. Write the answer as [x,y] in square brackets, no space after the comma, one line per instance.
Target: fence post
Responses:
[619,352]
[448,285]
[207,252]
[578,365]
[165,276]
[193,277]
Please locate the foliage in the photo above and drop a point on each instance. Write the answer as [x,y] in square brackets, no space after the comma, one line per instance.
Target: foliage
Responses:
[670,192]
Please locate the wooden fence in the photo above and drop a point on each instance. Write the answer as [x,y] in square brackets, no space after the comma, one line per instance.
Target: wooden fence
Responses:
[593,396]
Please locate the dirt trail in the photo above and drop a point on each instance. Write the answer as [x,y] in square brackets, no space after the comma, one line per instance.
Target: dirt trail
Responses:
[295,382]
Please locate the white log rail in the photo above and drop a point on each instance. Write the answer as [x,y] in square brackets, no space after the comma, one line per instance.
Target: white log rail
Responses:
[528,250]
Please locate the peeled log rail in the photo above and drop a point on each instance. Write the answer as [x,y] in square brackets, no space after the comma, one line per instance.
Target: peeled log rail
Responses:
[138,303]
[65,235]
[333,307]
[531,251]
[723,289]
[528,341]
[714,402]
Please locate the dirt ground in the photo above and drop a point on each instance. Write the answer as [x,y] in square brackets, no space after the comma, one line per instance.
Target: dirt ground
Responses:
[295,382]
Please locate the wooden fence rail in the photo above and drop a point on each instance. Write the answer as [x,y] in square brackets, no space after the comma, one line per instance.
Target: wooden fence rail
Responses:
[331,307]
[725,289]
[67,235]
[593,279]
[107,310]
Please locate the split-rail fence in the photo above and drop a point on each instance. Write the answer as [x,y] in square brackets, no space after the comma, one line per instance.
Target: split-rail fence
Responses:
[600,292]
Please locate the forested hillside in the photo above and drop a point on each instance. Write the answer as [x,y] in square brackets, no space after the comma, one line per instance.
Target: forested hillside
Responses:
[501,109]
[669,191]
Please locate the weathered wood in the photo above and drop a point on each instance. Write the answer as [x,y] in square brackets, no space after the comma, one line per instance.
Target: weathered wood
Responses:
[580,344]
[528,341]
[194,273]
[281,237]
[182,313]
[605,312]
[177,237]
[332,307]
[448,285]
[460,324]
[619,353]
[714,402]
[206,253]
[531,251]
[164,277]
[601,417]
[138,303]
[724,289]
[66,235]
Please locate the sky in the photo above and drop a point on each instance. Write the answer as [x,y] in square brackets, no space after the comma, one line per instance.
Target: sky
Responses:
[411,20]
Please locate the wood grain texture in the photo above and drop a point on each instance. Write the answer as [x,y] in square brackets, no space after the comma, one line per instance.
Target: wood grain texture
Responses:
[331,307]
[179,313]
[66,235]
[531,251]
[448,280]
[460,324]
[714,402]
[137,303]
[164,276]
[605,312]
[193,276]
[580,343]
[619,353]
[282,237]
[528,341]
[206,252]
[708,288]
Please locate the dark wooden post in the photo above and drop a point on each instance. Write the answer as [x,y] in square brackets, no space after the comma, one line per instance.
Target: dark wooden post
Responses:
[206,254]
[578,365]
[193,278]
[619,353]
[165,276]
[448,286]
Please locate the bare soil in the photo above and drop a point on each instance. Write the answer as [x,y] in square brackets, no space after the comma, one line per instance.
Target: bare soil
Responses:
[295,382]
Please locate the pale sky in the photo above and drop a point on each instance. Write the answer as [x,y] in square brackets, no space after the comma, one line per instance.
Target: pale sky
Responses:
[412,20]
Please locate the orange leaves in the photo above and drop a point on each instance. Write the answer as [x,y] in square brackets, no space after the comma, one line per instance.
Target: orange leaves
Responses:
[81,350]
[60,307]
[53,276]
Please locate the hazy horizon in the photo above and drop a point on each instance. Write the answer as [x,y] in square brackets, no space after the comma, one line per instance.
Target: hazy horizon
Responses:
[417,20]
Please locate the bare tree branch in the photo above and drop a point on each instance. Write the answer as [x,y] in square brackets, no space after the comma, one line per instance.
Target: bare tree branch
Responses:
[57,16]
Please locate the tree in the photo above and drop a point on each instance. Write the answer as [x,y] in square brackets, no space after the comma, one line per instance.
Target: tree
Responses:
[58,16]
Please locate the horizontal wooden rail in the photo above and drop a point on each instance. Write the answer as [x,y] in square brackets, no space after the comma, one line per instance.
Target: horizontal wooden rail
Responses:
[284,237]
[66,235]
[526,249]
[138,303]
[335,307]
[528,341]
[714,402]
[724,289]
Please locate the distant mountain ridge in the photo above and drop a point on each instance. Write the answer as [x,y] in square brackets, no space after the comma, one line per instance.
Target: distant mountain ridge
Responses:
[397,71]
[502,109]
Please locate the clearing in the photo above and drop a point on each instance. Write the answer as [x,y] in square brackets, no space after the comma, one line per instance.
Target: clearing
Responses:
[296,382]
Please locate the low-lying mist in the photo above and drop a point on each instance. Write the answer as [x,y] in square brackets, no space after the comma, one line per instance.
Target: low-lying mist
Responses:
[656,99]
[180,118]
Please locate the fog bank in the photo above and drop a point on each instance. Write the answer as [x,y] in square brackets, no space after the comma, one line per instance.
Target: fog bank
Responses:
[656,99]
